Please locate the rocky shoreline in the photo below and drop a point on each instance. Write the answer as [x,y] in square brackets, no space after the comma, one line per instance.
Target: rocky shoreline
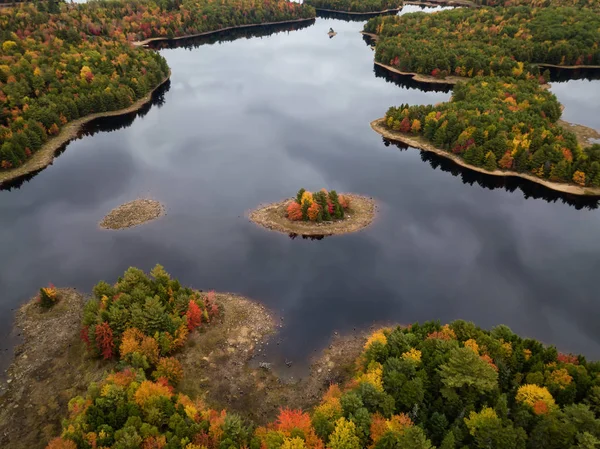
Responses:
[51,366]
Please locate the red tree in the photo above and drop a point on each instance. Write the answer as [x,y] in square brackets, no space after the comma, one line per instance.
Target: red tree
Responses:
[294,211]
[405,125]
[84,333]
[104,340]
[194,315]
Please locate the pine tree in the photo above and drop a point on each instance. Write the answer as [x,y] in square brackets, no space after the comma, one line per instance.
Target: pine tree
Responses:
[338,210]
[154,317]
[490,162]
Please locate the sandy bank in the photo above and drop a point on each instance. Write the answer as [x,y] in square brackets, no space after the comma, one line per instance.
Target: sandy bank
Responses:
[420,143]
[423,78]
[273,216]
[574,67]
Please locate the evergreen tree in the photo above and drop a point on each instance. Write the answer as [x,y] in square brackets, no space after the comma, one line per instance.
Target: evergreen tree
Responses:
[490,162]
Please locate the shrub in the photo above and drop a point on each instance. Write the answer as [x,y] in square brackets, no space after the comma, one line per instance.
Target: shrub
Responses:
[48,296]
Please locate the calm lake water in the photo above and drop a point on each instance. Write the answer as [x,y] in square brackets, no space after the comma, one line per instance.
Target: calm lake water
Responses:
[251,121]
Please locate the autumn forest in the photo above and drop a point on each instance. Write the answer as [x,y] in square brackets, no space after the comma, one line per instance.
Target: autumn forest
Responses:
[158,363]
[502,117]
[60,62]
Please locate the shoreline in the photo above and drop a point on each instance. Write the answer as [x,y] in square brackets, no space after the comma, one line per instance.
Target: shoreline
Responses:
[570,67]
[451,80]
[207,33]
[45,155]
[368,13]
[378,127]
[360,215]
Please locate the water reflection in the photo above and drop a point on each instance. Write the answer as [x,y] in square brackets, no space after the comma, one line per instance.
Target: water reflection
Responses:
[293,236]
[351,17]
[558,75]
[530,189]
[231,35]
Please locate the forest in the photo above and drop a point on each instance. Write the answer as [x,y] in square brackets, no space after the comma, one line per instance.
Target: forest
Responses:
[477,42]
[358,6]
[502,116]
[412,387]
[60,62]
[503,123]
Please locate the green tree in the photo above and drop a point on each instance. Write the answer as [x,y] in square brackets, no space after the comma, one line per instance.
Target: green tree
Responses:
[344,435]
[465,370]
[490,162]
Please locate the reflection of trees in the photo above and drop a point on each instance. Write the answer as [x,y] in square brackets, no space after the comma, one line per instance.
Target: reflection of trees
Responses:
[114,123]
[563,75]
[102,124]
[351,17]
[510,183]
[231,35]
[293,236]
[408,82]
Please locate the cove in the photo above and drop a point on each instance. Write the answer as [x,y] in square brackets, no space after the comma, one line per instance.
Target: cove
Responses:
[244,122]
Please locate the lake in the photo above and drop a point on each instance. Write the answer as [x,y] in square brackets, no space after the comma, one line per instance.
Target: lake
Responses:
[251,121]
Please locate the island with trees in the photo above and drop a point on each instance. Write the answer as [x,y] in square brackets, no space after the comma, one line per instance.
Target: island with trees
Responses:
[419,386]
[501,118]
[490,41]
[319,213]
[64,64]
[502,126]
[360,7]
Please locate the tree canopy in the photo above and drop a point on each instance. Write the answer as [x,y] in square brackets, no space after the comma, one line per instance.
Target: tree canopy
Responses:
[60,62]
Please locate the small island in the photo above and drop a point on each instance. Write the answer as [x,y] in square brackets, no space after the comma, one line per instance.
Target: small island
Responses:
[321,213]
[133,213]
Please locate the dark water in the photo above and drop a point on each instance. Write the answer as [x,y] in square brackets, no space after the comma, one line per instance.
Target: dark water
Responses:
[253,120]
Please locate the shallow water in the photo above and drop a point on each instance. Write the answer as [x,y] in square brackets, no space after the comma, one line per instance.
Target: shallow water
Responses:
[253,120]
